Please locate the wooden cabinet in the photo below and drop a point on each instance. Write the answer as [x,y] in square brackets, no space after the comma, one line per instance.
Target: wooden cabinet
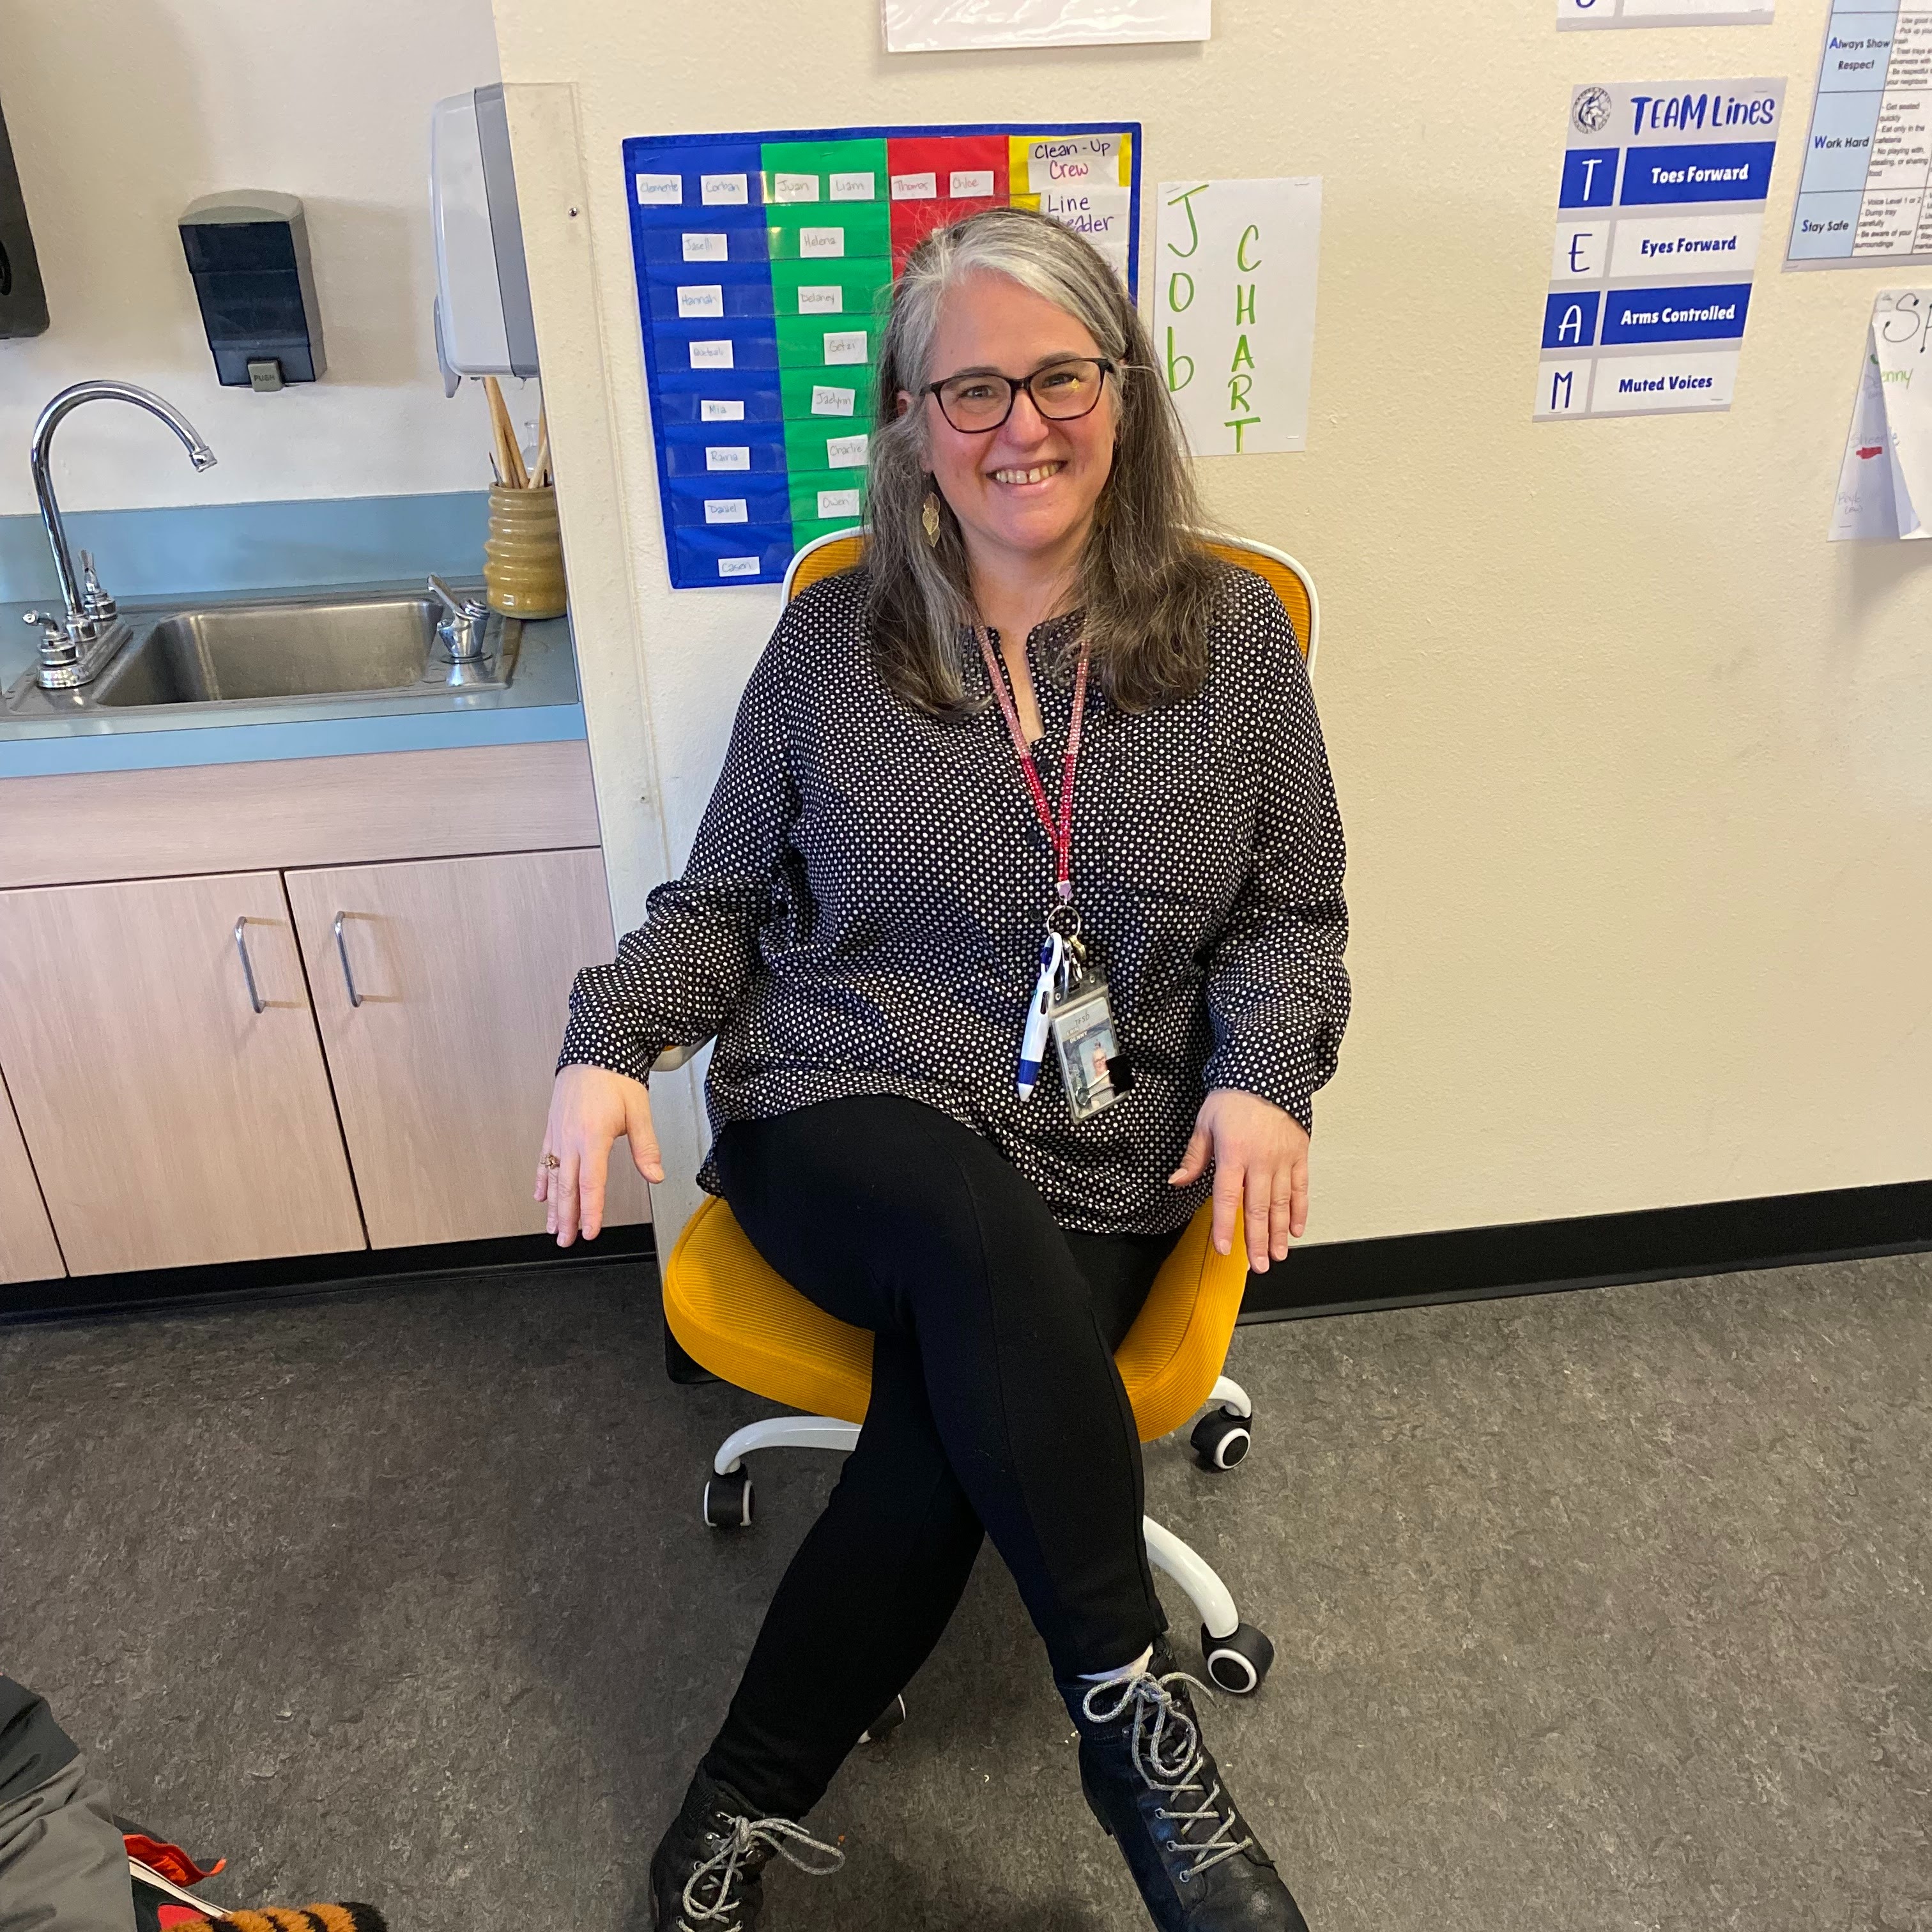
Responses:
[175,1115]
[171,1115]
[28,1249]
[442,987]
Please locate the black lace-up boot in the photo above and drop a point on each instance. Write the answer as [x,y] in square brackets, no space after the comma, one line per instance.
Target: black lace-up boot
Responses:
[708,1873]
[1155,1789]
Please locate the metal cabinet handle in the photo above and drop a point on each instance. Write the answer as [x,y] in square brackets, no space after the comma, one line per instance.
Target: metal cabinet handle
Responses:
[255,999]
[342,953]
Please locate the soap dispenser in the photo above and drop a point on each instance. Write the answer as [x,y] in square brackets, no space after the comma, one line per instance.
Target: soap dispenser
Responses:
[248,253]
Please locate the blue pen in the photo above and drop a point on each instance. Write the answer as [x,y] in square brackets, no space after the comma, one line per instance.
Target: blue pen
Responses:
[1033,1042]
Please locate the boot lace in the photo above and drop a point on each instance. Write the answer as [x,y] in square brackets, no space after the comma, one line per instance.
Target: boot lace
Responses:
[1168,1753]
[751,1842]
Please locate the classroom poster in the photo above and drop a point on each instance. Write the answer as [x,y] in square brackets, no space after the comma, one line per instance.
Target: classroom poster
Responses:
[929,26]
[763,263]
[1660,211]
[1664,13]
[1863,200]
[1233,310]
[1885,482]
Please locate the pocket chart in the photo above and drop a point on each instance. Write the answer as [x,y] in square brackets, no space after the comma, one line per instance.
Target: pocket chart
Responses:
[764,263]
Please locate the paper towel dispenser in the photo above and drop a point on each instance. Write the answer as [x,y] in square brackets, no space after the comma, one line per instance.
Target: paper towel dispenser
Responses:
[248,253]
[23,302]
[482,311]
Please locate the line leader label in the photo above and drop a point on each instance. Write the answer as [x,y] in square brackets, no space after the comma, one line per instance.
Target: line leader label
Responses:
[1660,209]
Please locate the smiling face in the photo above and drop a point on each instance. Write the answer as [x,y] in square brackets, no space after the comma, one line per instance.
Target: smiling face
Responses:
[1024,493]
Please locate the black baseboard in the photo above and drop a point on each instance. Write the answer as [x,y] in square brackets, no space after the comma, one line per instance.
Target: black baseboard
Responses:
[1594,1251]
[309,1274]
[1345,1277]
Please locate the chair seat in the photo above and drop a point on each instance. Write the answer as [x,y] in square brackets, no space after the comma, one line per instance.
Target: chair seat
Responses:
[738,1318]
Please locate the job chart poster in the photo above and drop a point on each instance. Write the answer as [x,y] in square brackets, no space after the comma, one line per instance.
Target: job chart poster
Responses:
[1659,216]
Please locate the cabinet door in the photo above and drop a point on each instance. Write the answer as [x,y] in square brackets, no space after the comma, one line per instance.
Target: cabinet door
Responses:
[28,1249]
[442,1061]
[171,1122]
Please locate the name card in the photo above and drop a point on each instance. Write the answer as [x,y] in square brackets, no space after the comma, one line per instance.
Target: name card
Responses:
[838,502]
[707,247]
[827,401]
[711,354]
[660,191]
[737,566]
[818,244]
[915,188]
[725,510]
[845,452]
[853,187]
[845,345]
[970,183]
[728,456]
[712,409]
[705,299]
[723,190]
[794,188]
[827,298]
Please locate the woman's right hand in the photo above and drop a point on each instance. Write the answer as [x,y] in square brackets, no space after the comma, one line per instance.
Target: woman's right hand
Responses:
[590,1107]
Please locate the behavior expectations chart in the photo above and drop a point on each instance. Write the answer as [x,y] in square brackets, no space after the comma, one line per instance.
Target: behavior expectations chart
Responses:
[1659,217]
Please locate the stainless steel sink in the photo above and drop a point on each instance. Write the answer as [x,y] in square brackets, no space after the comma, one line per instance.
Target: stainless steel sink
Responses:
[373,644]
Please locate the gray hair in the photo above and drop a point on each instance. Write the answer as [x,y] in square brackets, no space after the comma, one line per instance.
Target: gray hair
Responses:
[1146,586]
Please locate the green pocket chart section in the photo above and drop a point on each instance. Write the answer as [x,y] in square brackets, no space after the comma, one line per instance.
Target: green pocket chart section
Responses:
[764,266]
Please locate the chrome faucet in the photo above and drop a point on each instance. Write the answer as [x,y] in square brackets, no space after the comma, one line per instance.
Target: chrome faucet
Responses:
[76,643]
[462,629]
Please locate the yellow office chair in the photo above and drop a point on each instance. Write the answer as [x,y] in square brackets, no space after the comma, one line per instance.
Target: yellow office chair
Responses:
[737,1317]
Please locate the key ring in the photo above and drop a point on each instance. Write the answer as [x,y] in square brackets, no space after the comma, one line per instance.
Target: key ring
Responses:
[1064,920]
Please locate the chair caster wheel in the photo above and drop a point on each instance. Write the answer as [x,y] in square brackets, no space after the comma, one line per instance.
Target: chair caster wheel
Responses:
[888,1721]
[1237,1663]
[1221,1439]
[727,1502]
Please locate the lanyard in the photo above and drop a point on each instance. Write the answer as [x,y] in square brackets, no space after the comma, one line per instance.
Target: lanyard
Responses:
[1062,833]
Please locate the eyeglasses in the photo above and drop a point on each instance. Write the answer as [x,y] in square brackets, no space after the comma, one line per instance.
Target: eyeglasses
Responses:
[1061,391]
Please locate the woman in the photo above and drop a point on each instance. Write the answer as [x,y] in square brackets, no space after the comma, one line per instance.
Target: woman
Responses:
[880,887]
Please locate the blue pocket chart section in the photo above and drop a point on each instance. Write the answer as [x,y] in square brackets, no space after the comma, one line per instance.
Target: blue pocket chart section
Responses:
[1660,213]
[764,262]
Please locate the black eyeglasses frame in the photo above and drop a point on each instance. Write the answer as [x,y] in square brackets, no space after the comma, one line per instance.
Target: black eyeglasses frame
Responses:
[1024,384]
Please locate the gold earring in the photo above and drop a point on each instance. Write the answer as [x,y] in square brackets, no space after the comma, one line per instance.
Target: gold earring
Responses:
[928,520]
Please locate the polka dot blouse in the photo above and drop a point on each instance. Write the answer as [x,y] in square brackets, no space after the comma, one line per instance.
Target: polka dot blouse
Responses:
[862,909]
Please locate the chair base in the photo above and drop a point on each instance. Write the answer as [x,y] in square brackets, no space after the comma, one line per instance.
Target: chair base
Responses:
[1237,1655]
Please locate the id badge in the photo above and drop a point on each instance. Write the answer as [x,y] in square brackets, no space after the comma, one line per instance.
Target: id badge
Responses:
[1083,1035]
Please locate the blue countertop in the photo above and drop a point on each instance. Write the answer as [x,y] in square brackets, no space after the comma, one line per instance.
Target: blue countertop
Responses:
[540,703]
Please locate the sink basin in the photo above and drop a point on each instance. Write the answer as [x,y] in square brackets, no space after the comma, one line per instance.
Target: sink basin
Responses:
[233,653]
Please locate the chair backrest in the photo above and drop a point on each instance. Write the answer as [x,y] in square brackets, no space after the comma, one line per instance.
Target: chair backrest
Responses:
[843,550]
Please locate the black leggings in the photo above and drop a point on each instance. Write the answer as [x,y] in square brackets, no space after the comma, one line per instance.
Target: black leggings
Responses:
[996,1409]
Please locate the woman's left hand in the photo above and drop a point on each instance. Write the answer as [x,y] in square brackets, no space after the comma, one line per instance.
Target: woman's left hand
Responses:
[1260,1156]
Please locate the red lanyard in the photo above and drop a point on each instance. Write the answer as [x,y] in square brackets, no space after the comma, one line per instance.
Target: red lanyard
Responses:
[1062,834]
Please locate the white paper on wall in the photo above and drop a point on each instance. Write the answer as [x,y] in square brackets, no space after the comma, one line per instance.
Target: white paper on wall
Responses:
[1664,13]
[1234,307]
[1885,483]
[934,26]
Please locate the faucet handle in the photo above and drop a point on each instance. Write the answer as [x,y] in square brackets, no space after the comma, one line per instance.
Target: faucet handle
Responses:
[94,596]
[57,643]
[470,607]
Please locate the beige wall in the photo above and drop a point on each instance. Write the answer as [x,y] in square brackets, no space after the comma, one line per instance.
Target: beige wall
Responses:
[1634,765]
[121,112]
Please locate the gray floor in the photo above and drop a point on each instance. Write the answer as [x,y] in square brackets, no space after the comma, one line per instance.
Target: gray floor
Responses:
[1593,1611]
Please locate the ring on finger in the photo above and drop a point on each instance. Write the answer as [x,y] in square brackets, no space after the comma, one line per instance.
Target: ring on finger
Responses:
[549,1160]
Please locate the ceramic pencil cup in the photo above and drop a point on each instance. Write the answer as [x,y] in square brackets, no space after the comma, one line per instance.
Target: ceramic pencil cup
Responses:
[523,559]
